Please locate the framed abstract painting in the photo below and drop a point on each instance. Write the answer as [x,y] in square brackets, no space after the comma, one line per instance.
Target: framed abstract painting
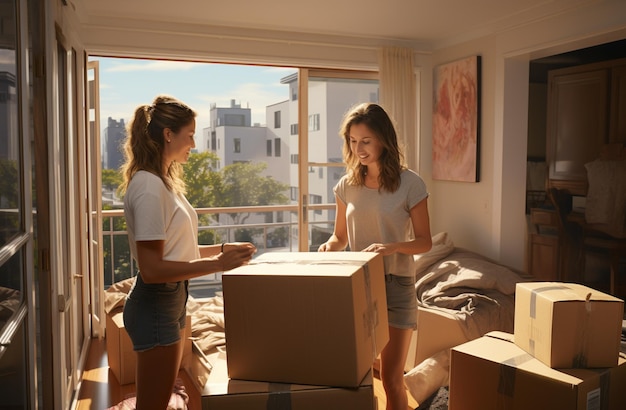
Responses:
[456,120]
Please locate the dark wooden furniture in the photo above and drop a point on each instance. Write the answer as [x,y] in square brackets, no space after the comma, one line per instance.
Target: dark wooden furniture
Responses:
[586,120]
[578,239]
[586,110]
[544,245]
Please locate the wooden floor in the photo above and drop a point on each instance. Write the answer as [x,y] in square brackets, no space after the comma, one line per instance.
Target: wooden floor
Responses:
[100,389]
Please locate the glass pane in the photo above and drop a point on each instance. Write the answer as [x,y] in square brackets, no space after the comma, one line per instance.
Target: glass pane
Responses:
[329,99]
[13,376]
[10,198]
[11,288]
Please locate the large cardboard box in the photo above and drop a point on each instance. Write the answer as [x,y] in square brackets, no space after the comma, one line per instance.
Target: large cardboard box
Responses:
[306,317]
[436,331]
[568,325]
[122,357]
[223,393]
[492,372]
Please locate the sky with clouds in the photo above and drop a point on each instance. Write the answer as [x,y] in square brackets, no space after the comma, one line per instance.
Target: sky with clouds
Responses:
[128,83]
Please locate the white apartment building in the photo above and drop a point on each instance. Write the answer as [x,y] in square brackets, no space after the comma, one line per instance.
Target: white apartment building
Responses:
[232,137]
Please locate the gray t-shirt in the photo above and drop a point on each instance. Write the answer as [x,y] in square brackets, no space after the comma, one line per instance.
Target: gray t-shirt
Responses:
[374,216]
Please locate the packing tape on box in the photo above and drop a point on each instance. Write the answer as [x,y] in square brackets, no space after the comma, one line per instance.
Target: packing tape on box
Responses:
[533,312]
[506,380]
[279,397]
[580,359]
[371,312]
[507,373]
[605,387]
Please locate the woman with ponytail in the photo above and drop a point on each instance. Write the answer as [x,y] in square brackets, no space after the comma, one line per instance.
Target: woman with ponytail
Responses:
[163,237]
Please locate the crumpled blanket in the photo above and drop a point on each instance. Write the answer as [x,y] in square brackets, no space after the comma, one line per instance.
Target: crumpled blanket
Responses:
[207,322]
[115,295]
[478,292]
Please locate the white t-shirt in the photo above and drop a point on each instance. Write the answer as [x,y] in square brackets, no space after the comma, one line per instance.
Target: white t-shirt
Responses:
[374,216]
[154,213]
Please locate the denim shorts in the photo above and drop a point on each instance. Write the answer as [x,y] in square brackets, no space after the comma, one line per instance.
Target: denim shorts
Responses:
[154,314]
[401,301]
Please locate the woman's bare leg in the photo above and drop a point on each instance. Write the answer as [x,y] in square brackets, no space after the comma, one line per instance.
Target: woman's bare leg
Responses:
[392,360]
[157,370]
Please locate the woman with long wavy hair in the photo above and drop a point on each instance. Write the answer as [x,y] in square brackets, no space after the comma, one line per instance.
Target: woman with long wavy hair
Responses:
[381,206]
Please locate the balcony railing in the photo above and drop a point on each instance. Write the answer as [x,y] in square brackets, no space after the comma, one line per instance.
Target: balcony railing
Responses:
[216,225]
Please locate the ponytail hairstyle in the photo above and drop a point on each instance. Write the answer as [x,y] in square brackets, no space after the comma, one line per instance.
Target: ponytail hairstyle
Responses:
[145,141]
[391,161]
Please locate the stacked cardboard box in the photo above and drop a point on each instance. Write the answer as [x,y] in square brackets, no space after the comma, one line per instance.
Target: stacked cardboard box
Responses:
[306,318]
[222,392]
[564,354]
[568,325]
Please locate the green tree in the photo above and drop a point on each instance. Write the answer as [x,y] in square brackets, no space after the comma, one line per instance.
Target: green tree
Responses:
[203,182]
[243,185]
[111,179]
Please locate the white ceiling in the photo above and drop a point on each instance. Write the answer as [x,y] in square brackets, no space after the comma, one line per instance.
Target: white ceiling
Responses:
[428,24]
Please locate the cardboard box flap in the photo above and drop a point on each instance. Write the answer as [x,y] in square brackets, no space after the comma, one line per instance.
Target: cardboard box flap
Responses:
[304,268]
[322,257]
[508,337]
[308,263]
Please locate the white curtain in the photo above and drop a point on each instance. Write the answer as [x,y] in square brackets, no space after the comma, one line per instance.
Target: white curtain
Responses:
[398,96]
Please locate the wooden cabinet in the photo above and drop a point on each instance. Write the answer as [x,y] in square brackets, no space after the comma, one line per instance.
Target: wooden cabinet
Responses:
[586,109]
[543,246]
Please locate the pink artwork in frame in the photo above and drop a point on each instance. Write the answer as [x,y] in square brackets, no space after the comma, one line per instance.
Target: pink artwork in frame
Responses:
[456,125]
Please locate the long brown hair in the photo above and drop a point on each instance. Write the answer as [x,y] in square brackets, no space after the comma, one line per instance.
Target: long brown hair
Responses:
[391,161]
[145,141]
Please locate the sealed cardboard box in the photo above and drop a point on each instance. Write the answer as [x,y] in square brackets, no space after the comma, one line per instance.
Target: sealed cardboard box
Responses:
[567,325]
[436,331]
[223,393]
[122,357]
[492,372]
[306,317]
